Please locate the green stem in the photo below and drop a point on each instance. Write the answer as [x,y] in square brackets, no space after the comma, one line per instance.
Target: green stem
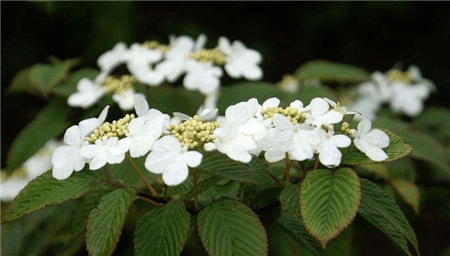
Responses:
[140,194]
[275,179]
[316,164]
[194,181]
[141,176]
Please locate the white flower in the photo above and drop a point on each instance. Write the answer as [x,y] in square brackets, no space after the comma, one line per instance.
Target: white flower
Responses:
[236,136]
[408,98]
[370,142]
[298,140]
[104,150]
[88,93]
[202,76]
[125,99]
[337,107]
[176,58]
[321,115]
[139,59]
[172,160]
[67,158]
[144,130]
[10,188]
[113,58]
[240,60]
[42,160]
[366,107]
[329,154]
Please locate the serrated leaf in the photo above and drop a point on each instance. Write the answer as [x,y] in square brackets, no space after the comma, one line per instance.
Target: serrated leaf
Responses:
[230,190]
[48,124]
[85,208]
[290,199]
[163,231]
[230,228]
[46,190]
[397,149]
[329,202]
[70,86]
[409,192]
[45,76]
[331,71]
[382,211]
[106,221]
[262,91]
[295,227]
[220,165]
[124,172]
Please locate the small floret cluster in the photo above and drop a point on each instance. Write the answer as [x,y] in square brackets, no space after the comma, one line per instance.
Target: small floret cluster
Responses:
[296,132]
[152,63]
[405,93]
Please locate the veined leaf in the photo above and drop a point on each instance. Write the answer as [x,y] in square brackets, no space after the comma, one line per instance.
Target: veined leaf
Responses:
[203,186]
[85,208]
[220,165]
[106,221]
[230,228]
[331,71]
[162,231]
[382,211]
[290,199]
[48,124]
[295,227]
[329,202]
[409,192]
[46,190]
[397,149]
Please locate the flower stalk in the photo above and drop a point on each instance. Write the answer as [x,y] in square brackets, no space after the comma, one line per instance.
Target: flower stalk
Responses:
[141,176]
[194,181]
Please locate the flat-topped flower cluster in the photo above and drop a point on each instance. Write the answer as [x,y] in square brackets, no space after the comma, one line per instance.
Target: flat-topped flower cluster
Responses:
[405,93]
[152,63]
[297,132]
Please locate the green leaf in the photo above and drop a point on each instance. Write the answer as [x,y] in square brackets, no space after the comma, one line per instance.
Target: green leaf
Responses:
[45,76]
[85,208]
[231,228]
[290,199]
[220,165]
[434,121]
[306,94]
[21,83]
[382,211]
[397,149]
[158,97]
[331,71]
[48,124]
[262,91]
[46,190]
[295,227]
[163,231]
[70,86]
[409,192]
[106,221]
[329,202]
[229,189]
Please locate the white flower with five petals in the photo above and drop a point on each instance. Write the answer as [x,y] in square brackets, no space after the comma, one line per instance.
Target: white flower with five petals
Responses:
[88,93]
[67,158]
[103,151]
[370,142]
[240,61]
[329,154]
[321,115]
[172,160]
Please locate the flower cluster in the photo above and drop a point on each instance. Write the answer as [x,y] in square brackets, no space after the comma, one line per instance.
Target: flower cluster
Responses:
[403,91]
[151,63]
[297,132]
[39,163]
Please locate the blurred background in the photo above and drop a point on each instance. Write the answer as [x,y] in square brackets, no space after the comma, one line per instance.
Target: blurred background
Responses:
[371,35]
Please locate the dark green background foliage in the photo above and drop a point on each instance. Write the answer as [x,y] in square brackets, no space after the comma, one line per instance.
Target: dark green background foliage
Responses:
[371,35]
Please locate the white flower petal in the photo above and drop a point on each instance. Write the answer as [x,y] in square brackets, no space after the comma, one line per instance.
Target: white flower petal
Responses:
[193,158]
[377,138]
[176,172]
[341,141]
[330,155]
